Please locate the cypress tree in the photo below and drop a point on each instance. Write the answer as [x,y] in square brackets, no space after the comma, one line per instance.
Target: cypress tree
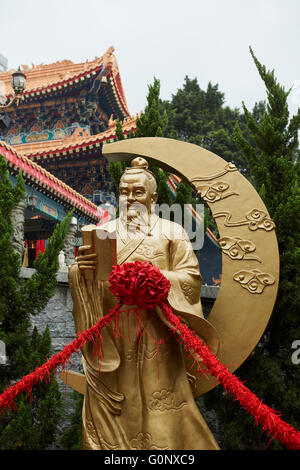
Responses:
[183,197]
[270,371]
[34,424]
[153,121]
[72,437]
[200,117]
[183,194]
[119,131]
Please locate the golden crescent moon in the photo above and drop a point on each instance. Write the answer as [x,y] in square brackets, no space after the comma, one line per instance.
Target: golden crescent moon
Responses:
[250,257]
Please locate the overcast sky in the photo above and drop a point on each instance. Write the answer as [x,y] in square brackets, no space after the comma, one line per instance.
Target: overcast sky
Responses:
[168,39]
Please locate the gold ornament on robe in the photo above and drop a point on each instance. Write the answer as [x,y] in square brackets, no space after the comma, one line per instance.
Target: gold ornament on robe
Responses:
[140,393]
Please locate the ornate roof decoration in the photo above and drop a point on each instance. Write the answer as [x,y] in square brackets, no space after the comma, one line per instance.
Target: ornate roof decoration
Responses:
[44,181]
[79,142]
[44,80]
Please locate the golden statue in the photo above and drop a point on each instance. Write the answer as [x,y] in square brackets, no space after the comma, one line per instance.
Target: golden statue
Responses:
[139,394]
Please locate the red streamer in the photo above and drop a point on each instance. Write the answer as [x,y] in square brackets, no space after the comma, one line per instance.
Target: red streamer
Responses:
[263,415]
[135,284]
[43,373]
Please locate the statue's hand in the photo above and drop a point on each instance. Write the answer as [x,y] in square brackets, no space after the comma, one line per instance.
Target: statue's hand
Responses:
[86,262]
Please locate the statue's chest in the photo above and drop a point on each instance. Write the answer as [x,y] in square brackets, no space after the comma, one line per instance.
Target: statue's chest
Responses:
[156,251]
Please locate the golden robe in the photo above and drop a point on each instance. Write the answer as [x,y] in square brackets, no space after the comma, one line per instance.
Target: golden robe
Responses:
[139,396]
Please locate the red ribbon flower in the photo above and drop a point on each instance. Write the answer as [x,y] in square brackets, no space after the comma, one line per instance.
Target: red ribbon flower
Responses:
[139,284]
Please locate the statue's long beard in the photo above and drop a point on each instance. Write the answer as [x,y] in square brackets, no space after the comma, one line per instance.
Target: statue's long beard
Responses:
[135,222]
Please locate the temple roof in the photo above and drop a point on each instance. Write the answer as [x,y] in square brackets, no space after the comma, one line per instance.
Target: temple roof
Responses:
[79,141]
[43,80]
[47,183]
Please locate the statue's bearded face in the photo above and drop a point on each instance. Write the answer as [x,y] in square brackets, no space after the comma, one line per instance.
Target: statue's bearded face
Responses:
[135,191]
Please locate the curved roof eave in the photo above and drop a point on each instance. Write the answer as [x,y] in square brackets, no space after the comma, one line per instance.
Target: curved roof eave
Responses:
[47,183]
[60,76]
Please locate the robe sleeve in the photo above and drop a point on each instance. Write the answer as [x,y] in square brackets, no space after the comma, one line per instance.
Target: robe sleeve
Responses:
[91,301]
[184,275]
